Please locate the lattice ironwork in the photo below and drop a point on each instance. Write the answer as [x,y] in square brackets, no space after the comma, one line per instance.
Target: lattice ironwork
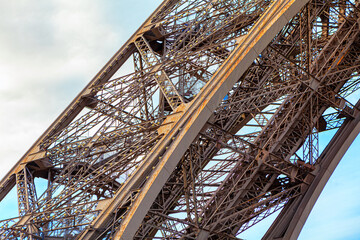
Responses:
[215,128]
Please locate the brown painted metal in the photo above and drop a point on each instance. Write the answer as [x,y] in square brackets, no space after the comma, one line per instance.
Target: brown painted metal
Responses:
[292,218]
[215,128]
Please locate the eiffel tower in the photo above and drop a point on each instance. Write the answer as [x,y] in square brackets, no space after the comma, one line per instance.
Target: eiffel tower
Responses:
[215,128]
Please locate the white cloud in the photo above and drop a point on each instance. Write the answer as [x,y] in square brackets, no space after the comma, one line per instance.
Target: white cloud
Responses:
[49,51]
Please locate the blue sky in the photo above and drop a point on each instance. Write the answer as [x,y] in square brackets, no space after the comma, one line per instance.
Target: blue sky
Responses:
[50,49]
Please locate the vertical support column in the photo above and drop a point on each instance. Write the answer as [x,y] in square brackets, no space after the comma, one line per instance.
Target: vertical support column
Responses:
[27,199]
[139,69]
[22,192]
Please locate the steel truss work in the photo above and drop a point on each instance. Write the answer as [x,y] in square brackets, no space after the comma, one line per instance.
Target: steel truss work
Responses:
[215,128]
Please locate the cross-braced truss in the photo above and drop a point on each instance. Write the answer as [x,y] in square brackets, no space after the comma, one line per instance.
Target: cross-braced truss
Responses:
[215,128]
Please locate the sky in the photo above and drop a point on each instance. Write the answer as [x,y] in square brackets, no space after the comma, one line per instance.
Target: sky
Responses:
[49,51]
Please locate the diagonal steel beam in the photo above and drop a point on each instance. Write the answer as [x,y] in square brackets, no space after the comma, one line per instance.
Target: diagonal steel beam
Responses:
[204,104]
[292,218]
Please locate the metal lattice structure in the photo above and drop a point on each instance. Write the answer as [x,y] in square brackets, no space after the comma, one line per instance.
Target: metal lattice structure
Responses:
[215,128]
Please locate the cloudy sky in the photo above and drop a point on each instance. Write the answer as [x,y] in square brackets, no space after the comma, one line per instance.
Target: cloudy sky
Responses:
[50,49]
